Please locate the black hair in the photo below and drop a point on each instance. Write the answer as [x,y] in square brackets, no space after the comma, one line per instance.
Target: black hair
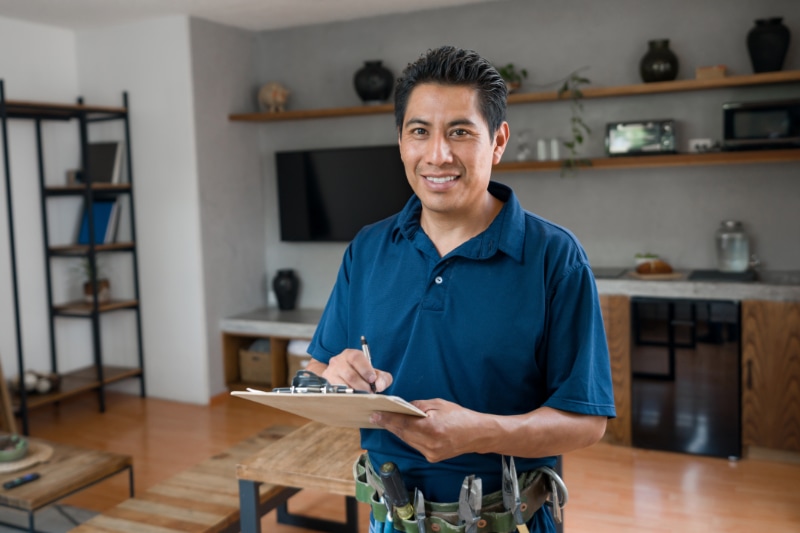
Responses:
[448,65]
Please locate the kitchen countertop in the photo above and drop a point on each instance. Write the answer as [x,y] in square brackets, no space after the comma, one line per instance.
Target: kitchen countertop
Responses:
[778,286]
[297,323]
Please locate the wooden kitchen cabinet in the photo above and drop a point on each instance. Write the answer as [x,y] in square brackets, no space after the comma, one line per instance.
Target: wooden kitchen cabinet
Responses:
[617,319]
[280,327]
[771,375]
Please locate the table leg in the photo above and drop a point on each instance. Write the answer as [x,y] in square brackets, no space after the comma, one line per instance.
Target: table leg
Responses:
[250,521]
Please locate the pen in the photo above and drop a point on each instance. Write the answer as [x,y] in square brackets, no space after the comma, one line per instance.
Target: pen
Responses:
[16,482]
[365,349]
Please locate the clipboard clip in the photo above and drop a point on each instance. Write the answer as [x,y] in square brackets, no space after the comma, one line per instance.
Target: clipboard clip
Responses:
[306,382]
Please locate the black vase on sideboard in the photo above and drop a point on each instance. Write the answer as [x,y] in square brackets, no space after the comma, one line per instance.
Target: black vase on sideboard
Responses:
[373,82]
[767,43]
[286,286]
[659,63]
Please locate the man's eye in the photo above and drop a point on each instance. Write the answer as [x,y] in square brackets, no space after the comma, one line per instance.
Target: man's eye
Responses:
[459,132]
[418,131]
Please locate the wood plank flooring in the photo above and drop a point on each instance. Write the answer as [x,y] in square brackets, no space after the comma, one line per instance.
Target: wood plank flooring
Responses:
[612,488]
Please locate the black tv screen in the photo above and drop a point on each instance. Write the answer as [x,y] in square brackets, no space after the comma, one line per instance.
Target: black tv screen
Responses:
[330,194]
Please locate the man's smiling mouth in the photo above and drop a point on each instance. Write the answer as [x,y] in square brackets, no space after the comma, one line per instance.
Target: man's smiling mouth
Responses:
[440,179]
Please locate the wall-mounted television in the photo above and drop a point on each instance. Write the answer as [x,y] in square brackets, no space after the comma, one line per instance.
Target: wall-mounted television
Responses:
[330,194]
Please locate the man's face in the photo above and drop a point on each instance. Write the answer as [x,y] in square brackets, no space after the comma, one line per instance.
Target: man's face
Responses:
[447,149]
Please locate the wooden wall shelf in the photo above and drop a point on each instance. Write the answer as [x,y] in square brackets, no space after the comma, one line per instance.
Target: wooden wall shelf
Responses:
[78,382]
[78,250]
[80,189]
[79,308]
[668,160]
[769,78]
[56,111]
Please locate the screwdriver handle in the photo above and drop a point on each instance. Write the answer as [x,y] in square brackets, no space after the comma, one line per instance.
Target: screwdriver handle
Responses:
[394,489]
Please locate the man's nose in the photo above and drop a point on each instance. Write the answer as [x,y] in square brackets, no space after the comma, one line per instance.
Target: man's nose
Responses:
[439,151]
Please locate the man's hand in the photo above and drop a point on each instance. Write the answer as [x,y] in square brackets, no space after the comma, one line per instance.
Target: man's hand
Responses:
[449,430]
[351,368]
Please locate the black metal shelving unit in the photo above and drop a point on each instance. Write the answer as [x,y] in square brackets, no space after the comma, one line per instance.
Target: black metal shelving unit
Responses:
[98,375]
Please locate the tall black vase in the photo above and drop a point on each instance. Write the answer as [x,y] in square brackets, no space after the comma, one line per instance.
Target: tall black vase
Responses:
[767,43]
[659,63]
[373,82]
[286,286]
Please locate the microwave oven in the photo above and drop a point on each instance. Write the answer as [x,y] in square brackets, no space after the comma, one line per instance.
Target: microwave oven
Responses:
[641,137]
[761,125]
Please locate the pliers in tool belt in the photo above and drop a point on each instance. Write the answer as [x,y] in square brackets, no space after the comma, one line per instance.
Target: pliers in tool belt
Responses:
[469,503]
[511,498]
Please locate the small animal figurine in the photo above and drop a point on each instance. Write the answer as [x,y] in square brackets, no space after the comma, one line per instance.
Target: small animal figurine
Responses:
[272,97]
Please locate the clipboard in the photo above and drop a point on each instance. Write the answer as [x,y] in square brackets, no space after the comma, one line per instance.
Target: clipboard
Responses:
[333,409]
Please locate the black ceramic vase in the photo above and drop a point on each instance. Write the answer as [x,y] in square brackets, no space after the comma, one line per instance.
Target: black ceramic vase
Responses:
[659,63]
[767,43]
[373,82]
[286,285]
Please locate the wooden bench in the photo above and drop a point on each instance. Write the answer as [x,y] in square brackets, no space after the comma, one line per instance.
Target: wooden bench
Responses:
[204,498]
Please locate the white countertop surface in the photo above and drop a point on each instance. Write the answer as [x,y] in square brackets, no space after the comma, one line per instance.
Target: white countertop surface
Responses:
[780,286]
[271,322]
[301,323]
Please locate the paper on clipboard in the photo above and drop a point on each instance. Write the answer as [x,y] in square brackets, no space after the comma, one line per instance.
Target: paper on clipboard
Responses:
[333,409]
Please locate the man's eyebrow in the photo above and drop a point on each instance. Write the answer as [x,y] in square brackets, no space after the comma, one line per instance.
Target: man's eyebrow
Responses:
[415,120]
[455,122]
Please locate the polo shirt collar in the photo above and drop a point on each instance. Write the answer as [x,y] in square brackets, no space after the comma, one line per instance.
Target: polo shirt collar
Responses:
[506,233]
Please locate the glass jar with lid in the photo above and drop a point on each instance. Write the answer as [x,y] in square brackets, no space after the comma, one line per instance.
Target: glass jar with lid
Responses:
[733,247]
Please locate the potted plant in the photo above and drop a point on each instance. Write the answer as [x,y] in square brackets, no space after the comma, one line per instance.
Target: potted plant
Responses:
[512,76]
[85,272]
[579,129]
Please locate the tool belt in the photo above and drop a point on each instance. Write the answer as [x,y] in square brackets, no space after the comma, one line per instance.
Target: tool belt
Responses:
[535,487]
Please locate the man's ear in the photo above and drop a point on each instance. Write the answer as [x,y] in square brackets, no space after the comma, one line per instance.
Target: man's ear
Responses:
[500,142]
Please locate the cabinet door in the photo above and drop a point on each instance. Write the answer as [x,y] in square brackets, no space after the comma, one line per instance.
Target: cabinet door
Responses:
[771,375]
[617,319]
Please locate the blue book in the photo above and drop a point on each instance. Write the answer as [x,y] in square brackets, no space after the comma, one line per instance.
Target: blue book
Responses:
[103,211]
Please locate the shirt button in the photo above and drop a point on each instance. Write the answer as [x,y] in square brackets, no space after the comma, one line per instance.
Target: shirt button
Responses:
[438,280]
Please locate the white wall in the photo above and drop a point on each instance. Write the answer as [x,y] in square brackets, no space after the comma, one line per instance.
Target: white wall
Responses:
[230,184]
[152,61]
[36,63]
[617,213]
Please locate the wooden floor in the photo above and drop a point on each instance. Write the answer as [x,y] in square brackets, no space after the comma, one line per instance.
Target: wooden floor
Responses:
[612,488]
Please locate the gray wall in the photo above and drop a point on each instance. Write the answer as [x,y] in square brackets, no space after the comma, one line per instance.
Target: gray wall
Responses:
[229,178]
[615,213]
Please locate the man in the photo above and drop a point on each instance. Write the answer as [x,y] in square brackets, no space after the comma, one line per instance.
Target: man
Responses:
[482,314]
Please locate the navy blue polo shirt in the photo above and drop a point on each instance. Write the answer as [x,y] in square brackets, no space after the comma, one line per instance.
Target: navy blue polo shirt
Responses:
[507,322]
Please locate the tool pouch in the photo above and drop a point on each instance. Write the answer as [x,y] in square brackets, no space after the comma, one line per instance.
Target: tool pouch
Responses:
[535,487]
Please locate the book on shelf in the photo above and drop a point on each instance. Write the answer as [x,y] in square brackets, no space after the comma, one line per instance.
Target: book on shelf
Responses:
[105,214]
[105,160]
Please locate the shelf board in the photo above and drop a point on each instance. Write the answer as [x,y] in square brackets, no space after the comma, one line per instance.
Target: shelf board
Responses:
[668,160]
[56,111]
[78,382]
[768,78]
[73,190]
[79,308]
[69,250]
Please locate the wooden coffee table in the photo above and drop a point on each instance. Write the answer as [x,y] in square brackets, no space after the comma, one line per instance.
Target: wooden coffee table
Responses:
[70,469]
[315,456]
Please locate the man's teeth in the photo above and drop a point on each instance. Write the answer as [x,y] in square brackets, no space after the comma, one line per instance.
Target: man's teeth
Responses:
[440,180]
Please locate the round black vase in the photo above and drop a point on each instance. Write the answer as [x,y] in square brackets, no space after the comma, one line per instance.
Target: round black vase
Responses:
[767,43]
[373,82]
[286,285]
[659,63]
